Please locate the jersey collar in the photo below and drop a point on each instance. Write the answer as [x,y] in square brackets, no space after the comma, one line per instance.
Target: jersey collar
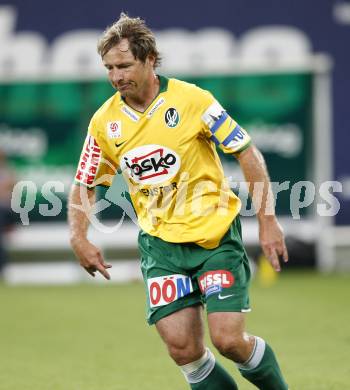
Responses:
[163,84]
[163,87]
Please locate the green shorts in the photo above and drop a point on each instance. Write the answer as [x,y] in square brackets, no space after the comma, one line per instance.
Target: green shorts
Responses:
[181,275]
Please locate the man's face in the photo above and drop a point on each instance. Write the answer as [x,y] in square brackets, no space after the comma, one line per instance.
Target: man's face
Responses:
[126,73]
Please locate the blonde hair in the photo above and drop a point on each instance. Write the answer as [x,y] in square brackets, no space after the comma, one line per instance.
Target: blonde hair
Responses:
[141,39]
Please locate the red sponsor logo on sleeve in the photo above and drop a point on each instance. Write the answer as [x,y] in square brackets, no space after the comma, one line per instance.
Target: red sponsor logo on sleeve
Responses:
[89,162]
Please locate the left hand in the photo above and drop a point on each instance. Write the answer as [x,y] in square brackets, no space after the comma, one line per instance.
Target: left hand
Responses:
[272,241]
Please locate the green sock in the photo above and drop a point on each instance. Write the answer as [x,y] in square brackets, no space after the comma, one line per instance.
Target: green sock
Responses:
[207,374]
[262,368]
[218,379]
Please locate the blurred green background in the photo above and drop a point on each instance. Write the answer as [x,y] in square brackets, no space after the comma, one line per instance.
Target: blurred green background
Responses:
[43,126]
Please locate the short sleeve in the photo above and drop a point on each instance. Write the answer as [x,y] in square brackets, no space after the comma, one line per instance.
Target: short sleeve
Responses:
[94,168]
[223,130]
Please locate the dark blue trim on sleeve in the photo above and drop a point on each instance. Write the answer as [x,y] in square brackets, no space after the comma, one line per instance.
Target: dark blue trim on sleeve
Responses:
[213,138]
[219,122]
[235,133]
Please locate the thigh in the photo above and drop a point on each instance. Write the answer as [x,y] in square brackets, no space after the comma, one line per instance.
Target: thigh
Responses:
[184,330]
[225,275]
[169,286]
[226,323]
[224,283]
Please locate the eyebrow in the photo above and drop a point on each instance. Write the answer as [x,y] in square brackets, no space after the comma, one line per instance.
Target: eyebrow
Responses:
[120,65]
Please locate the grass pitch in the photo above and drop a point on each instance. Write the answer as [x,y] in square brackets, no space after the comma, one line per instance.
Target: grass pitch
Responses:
[92,337]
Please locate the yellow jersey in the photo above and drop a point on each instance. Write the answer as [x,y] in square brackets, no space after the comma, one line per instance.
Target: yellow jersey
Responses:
[168,157]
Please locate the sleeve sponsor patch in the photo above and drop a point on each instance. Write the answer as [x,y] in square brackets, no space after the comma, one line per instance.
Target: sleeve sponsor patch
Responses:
[214,116]
[89,162]
[225,132]
[237,139]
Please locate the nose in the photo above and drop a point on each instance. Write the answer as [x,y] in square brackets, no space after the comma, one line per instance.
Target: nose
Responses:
[116,75]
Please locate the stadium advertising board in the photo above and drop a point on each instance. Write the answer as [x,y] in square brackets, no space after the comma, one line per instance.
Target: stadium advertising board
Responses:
[42,122]
[43,126]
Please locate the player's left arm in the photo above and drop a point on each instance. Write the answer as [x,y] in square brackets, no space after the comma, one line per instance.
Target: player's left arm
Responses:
[231,138]
[270,231]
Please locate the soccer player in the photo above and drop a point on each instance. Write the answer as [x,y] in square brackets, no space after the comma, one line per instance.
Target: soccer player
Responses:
[162,134]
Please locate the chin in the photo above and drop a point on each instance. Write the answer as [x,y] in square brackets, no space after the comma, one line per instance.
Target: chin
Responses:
[124,92]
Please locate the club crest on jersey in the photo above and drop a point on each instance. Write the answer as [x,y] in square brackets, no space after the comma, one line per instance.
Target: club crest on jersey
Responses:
[171,117]
[166,289]
[150,164]
[114,129]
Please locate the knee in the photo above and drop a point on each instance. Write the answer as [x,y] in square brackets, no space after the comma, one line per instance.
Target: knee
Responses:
[183,352]
[234,347]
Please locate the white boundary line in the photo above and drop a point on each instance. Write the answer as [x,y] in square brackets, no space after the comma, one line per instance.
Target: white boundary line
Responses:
[66,273]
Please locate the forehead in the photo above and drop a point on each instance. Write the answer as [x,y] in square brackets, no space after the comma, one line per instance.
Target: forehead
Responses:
[119,53]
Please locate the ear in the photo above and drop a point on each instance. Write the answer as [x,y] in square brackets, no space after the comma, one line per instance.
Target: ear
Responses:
[151,59]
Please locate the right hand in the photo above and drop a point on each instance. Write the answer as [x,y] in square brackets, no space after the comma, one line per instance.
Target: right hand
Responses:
[90,258]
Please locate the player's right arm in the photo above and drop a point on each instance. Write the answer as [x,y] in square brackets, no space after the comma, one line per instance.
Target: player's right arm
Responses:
[94,169]
[89,256]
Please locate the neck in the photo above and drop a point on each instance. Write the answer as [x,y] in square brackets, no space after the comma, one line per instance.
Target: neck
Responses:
[147,94]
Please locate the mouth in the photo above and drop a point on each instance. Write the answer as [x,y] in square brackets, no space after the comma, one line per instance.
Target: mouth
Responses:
[123,87]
